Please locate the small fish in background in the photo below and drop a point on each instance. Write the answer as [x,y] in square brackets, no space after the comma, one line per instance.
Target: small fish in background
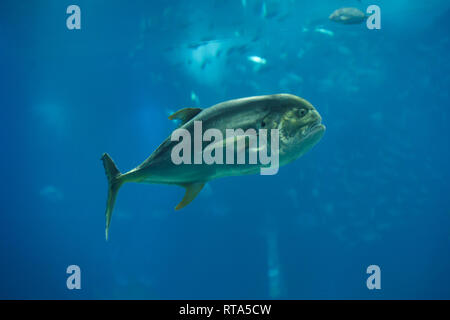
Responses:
[53,118]
[324,31]
[51,193]
[274,268]
[264,10]
[195,98]
[194,45]
[348,16]
[205,62]
[291,82]
[270,9]
[257,60]
[123,215]
[238,49]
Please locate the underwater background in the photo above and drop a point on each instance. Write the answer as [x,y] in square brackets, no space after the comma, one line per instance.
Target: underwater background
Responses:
[374,190]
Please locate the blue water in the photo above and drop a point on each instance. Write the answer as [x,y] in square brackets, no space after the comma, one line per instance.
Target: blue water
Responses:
[374,190]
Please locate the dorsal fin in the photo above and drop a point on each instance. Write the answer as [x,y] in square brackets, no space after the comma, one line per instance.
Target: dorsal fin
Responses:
[192,190]
[184,115]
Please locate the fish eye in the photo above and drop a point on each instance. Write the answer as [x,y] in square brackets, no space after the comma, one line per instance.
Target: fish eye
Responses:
[303,112]
[263,124]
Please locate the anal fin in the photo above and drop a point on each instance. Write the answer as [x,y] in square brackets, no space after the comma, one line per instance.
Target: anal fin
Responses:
[192,190]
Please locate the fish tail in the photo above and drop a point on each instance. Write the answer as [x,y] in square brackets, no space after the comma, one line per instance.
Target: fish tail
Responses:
[114,183]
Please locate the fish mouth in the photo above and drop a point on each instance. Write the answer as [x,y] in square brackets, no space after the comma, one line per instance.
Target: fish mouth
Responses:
[293,131]
[313,128]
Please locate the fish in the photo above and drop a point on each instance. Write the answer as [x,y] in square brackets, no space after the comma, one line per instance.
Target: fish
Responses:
[324,31]
[348,16]
[257,60]
[297,123]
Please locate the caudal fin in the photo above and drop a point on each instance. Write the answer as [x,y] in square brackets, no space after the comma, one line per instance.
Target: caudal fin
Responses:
[114,184]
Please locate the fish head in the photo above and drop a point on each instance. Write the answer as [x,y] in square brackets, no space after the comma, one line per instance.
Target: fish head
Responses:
[334,16]
[299,126]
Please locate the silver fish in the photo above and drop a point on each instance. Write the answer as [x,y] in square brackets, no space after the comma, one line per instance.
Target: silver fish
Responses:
[296,120]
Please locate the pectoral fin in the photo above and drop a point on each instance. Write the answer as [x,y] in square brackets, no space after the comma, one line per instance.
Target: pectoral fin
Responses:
[184,115]
[231,141]
[192,190]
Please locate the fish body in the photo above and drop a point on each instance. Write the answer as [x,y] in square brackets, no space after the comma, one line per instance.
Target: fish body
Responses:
[295,121]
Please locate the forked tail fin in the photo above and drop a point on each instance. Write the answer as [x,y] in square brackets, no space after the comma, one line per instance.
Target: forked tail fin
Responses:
[114,184]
